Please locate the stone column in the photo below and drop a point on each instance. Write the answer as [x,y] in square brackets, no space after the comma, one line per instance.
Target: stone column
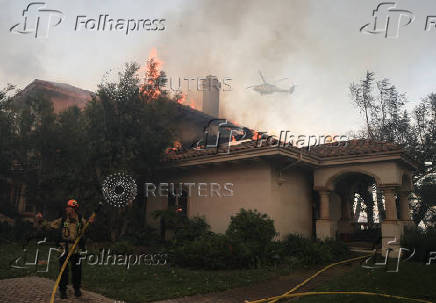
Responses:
[390,204]
[346,208]
[345,226]
[392,229]
[324,205]
[404,206]
[325,227]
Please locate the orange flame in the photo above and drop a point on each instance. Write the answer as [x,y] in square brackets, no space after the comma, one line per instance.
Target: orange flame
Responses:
[256,136]
[176,147]
[330,139]
[153,69]
[191,103]
[182,99]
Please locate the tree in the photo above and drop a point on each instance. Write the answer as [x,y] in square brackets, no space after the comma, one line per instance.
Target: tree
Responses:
[387,119]
[362,96]
[7,135]
[127,133]
[67,155]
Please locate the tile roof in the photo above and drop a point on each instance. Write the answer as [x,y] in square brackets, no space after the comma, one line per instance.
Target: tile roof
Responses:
[354,147]
[345,148]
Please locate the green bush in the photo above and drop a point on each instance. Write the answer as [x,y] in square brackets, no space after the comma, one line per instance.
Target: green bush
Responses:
[251,226]
[146,236]
[191,229]
[123,247]
[212,251]
[338,249]
[250,232]
[244,245]
[309,252]
[6,232]
[423,241]
[248,243]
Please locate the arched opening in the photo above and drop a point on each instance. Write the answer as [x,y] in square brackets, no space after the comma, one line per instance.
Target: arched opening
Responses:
[357,206]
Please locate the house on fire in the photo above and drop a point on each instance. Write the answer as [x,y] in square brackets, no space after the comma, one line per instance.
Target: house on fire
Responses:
[309,192]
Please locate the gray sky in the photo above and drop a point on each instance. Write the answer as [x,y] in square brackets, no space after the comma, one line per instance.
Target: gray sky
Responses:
[316,43]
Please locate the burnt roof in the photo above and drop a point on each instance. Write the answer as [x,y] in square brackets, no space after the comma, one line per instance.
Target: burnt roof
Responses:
[336,150]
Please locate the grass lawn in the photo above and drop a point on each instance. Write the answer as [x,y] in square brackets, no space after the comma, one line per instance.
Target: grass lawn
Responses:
[414,280]
[139,283]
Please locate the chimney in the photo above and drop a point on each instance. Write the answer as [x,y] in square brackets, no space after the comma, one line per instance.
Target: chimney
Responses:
[211,96]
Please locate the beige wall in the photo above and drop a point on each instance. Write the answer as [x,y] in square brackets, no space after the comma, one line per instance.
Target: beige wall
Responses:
[256,185]
[387,173]
[292,202]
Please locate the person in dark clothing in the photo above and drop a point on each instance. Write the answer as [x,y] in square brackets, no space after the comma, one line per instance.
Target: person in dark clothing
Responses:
[70,227]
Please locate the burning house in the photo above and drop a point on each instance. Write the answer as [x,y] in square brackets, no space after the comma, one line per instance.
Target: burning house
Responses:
[211,96]
[305,192]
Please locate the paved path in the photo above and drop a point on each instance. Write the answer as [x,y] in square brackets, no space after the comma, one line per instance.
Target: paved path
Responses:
[38,290]
[265,289]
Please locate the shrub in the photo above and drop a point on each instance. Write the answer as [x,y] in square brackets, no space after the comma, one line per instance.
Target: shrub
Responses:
[6,232]
[245,243]
[145,236]
[123,247]
[211,251]
[338,249]
[310,252]
[251,226]
[423,241]
[250,232]
[192,229]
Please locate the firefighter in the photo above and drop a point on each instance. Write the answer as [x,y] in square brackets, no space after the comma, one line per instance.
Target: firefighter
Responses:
[70,227]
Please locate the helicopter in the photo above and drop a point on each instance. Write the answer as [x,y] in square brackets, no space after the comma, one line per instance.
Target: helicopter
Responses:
[267,88]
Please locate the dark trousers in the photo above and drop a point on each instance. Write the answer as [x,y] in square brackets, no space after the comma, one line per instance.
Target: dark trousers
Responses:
[76,272]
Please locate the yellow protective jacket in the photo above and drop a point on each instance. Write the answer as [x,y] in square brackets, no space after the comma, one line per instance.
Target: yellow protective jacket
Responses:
[69,230]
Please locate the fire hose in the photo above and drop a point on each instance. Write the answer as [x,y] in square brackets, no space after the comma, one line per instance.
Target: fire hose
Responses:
[291,294]
[85,227]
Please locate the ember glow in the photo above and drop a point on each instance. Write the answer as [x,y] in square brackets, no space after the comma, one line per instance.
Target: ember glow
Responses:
[153,66]
[191,103]
[176,147]
[153,81]
[256,136]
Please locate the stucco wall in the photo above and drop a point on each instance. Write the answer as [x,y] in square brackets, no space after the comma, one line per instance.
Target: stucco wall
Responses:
[335,206]
[292,202]
[255,186]
[251,190]
[383,172]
